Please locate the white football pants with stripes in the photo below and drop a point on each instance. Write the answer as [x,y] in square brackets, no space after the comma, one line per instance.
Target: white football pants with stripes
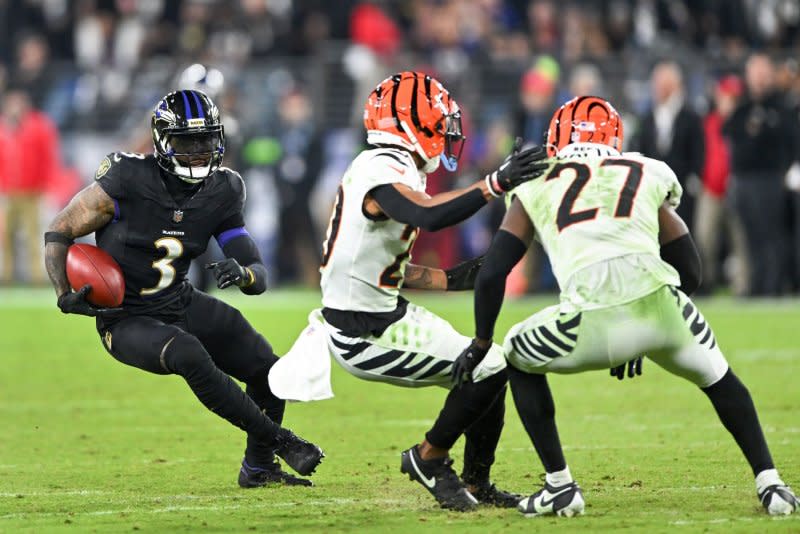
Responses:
[665,326]
[415,351]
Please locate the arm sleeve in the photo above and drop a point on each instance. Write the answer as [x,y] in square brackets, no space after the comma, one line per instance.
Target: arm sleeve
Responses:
[505,252]
[682,254]
[432,218]
[238,244]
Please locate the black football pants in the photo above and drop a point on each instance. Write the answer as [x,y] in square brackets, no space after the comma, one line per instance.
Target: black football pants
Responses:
[207,344]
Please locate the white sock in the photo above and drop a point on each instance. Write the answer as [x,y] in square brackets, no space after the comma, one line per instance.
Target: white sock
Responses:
[559,478]
[766,478]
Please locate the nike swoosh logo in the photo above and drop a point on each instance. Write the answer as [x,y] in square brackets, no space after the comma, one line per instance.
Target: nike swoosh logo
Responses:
[553,497]
[401,171]
[429,482]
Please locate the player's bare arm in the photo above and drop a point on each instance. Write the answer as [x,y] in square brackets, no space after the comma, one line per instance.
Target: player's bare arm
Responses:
[422,277]
[89,210]
[678,248]
[459,278]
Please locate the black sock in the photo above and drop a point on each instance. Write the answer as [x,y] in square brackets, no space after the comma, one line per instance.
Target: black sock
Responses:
[535,406]
[187,357]
[260,452]
[735,409]
[463,406]
[481,442]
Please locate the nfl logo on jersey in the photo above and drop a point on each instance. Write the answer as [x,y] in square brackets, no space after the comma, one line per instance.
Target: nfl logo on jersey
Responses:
[177,216]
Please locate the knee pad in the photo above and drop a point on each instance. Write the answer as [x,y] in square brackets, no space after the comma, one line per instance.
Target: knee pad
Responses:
[184,353]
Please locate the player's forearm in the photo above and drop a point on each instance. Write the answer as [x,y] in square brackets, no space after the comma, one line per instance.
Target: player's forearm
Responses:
[258,280]
[430,214]
[682,254]
[505,252]
[243,249]
[55,261]
[421,277]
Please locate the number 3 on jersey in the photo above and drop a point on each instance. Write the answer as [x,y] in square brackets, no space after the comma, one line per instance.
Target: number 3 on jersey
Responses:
[174,249]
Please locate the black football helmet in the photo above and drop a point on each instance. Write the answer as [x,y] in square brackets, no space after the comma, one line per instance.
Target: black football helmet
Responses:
[188,135]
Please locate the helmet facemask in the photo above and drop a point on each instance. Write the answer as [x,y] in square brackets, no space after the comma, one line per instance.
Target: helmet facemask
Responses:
[450,127]
[194,156]
[188,136]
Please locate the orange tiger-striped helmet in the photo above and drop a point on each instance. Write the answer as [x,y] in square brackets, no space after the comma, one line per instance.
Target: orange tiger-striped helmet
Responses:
[584,119]
[414,111]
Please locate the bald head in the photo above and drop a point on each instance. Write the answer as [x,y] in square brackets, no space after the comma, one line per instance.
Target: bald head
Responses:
[665,81]
[759,73]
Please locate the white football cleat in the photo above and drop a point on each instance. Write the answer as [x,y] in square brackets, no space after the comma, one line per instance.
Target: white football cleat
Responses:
[566,501]
[778,499]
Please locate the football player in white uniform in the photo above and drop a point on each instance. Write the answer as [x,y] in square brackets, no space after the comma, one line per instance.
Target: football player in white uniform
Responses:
[625,263]
[412,124]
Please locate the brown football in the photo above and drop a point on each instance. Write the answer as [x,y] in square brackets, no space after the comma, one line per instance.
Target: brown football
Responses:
[87,264]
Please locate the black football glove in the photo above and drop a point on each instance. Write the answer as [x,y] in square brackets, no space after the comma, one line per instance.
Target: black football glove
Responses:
[466,362]
[634,368]
[228,272]
[75,302]
[519,167]
[463,275]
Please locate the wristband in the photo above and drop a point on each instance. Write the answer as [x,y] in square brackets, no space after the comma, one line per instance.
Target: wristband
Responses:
[491,179]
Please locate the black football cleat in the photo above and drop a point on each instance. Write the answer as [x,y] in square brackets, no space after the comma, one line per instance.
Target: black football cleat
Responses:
[490,495]
[438,477]
[299,454]
[256,477]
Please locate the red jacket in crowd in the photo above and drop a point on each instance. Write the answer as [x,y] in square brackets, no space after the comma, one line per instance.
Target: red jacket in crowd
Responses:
[29,155]
[717,166]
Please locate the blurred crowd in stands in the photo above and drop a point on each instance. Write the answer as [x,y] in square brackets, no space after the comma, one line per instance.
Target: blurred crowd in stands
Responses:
[712,87]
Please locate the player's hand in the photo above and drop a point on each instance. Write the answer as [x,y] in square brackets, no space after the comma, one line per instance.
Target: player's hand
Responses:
[228,272]
[466,362]
[634,368]
[463,275]
[519,167]
[75,302]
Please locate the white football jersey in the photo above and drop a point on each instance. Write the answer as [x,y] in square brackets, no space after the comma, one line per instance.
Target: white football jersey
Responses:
[364,258]
[595,211]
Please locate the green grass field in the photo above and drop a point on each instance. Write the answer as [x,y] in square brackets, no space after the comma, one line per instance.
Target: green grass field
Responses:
[88,444]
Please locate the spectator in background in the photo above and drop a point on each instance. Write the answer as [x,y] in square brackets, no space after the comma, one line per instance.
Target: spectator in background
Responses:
[537,96]
[31,69]
[296,174]
[673,132]
[762,134]
[714,216]
[29,157]
[537,101]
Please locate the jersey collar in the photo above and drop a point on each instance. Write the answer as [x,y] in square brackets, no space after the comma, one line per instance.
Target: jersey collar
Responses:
[584,150]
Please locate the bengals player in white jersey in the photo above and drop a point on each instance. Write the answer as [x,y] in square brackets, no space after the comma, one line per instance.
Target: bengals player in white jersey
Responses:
[412,125]
[625,263]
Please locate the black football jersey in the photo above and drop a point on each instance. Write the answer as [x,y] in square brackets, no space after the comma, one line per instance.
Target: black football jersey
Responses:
[153,236]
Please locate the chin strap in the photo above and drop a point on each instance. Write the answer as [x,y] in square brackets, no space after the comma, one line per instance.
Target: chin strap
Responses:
[450,163]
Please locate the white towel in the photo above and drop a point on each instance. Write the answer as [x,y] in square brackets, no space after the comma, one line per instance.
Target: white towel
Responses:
[304,373]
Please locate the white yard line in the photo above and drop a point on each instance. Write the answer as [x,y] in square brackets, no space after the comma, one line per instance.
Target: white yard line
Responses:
[214,508]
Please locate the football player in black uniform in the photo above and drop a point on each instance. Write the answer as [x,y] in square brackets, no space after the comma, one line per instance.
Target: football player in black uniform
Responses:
[153,214]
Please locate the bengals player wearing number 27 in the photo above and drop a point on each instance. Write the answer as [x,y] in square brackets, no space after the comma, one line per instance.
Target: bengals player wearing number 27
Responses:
[154,214]
[625,263]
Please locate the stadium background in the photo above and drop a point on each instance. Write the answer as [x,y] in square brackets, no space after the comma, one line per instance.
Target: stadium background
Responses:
[88,444]
[291,78]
